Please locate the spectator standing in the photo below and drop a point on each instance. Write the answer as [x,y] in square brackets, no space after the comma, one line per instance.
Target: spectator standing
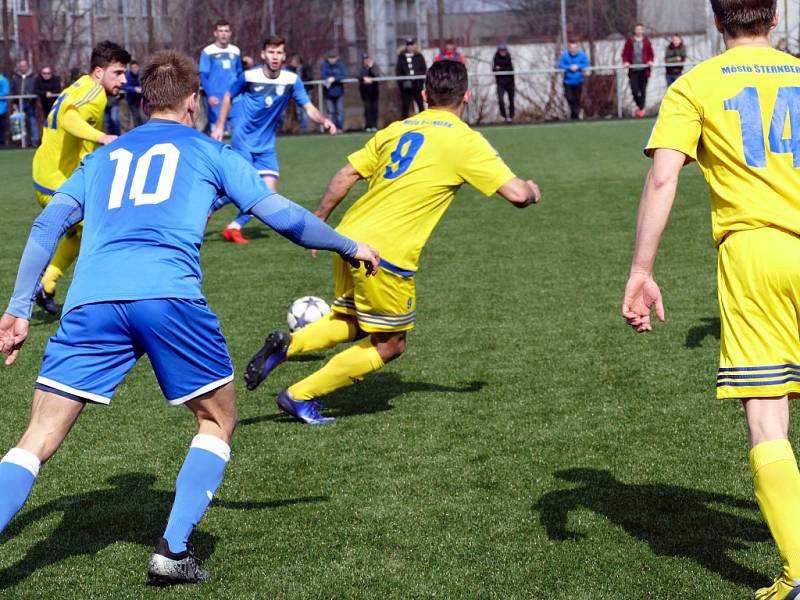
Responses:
[505,83]
[783,45]
[112,125]
[23,83]
[370,91]
[5,88]
[299,66]
[333,72]
[675,53]
[133,93]
[220,66]
[638,51]
[410,62]
[449,52]
[573,61]
[48,88]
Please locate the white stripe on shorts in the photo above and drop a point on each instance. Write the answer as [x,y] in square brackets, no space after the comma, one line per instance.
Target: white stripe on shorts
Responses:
[70,390]
[199,392]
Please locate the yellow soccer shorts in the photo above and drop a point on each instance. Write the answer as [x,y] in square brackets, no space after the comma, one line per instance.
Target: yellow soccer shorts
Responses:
[384,302]
[759,300]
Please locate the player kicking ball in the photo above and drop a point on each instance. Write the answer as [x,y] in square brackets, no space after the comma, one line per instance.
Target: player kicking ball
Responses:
[737,116]
[144,200]
[414,168]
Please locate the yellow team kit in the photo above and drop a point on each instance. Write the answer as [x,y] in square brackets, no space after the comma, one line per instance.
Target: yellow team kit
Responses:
[414,168]
[738,116]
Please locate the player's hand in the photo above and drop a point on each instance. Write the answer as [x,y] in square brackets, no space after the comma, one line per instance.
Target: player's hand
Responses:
[369,256]
[534,193]
[13,332]
[218,133]
[642,295]
[328,125]
[107,139]
[213,101]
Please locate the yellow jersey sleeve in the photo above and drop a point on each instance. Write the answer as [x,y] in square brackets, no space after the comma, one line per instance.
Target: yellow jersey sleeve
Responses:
[365,161]
[679,123]
[481,166]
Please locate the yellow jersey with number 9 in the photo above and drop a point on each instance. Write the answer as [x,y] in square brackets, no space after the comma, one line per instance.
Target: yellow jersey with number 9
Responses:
[60,152]
[414,168]
[738,116]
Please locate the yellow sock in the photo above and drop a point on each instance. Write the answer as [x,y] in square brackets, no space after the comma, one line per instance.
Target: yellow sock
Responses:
[66,253]
[346,368]
[332,329]
[777,485]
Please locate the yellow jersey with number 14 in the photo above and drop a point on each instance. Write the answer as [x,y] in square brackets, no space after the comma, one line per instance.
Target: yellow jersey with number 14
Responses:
[60,152]
[738,115]
[414,168]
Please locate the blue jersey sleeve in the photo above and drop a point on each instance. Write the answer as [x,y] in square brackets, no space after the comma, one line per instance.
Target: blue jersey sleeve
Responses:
[299,93]
[75,186]
[240,181]
[238,85]
[205,69]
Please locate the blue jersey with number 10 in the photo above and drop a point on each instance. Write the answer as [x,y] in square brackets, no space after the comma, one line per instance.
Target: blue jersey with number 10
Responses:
[146,199]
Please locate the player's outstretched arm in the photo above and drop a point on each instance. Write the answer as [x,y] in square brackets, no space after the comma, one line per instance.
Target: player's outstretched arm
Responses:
[316,116]
[75,125]
[520,192]
[219,128]
[337,190]
[302,227]
[642,294]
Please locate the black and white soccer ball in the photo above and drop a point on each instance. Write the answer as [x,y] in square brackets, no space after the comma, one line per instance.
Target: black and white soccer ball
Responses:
[306,310]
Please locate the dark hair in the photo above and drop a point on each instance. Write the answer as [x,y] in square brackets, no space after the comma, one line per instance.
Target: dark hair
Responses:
[133,62]
[106,53]
[221,23]
[745,18]
[274,40]
[168,78]
[446,83]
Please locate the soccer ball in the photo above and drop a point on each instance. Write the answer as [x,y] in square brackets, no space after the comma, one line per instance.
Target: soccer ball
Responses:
[306,310]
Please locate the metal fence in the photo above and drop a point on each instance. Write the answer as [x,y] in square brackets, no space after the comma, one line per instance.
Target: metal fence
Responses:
[540,96]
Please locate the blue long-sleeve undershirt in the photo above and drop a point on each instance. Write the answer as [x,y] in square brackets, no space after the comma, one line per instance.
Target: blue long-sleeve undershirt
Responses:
[302,227]
[59,215]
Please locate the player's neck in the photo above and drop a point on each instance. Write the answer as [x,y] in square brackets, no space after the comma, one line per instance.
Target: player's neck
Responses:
[223,46]
[456,110]
[96,78]
[270,73]
[761,41]
[170,115]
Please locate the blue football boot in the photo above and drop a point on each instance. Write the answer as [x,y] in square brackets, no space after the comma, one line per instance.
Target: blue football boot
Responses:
[269,356]
[46,301]
[305,411]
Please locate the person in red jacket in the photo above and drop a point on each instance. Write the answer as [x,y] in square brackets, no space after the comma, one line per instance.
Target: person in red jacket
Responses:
[638,51]
[449,52]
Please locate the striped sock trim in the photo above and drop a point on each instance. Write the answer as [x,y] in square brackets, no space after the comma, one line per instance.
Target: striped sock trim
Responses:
[22,458]
[212,444]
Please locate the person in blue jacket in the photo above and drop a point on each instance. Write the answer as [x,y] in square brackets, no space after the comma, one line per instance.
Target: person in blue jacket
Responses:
[333,72]
[573,61]
[4,90]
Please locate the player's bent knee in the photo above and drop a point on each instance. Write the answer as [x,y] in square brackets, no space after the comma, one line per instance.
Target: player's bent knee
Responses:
[390,345]
[216,412]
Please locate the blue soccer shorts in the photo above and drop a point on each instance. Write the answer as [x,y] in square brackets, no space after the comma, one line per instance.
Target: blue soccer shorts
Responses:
[266,163]
[97,344]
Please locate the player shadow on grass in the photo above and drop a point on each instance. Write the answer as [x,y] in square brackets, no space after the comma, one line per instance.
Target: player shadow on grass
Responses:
[698,333]
[672,520]
[372,396]
[130,511]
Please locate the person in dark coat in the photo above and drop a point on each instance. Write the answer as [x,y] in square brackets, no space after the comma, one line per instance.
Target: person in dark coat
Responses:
[370,91]
[505,83]
[410,62]
[48,88]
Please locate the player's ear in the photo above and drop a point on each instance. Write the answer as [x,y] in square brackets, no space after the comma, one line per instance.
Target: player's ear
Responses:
[467,97]
[718,25]
[773,25]
[425,96]
[192,106]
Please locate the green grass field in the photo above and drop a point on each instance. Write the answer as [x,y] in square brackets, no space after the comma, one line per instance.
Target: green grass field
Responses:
[528,445]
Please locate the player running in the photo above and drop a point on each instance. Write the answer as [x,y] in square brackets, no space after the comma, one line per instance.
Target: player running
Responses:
[738,116]
[220,66]
[414,168]
[145,199]
[266,90]
[72,130]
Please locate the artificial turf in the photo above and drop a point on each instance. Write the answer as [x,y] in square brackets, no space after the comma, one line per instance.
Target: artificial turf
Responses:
[527,445]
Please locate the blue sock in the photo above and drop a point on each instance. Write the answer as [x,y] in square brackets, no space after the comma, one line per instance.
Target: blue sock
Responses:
[18,471]
[197,481]
[243,219]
